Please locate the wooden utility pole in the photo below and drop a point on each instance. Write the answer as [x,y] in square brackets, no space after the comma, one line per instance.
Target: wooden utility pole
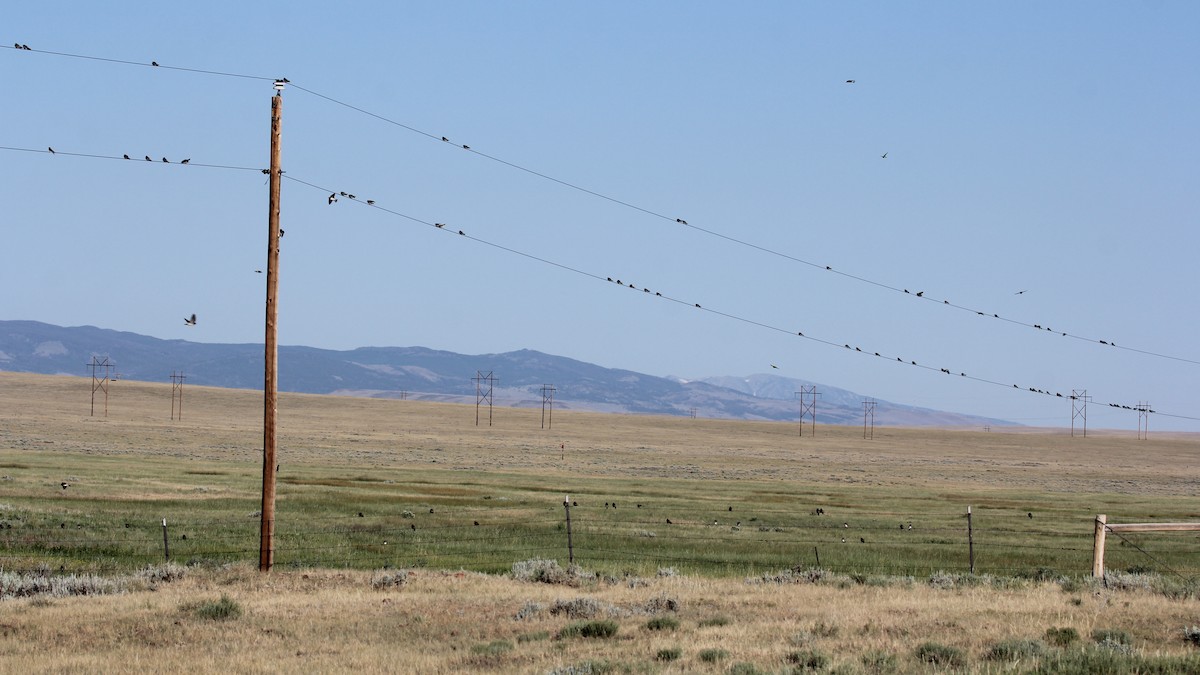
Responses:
[266,547]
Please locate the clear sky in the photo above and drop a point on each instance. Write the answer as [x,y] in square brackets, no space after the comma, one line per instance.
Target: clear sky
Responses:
[1041,164]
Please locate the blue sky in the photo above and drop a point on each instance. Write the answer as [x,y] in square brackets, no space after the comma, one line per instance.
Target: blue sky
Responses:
[1040,147]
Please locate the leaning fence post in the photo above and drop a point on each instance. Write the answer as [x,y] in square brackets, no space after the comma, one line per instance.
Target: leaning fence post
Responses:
[970,541]
[166,550]
[570,547]
[1098,550]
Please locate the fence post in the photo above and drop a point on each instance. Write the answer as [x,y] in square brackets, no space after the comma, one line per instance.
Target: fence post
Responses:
[970,541]
[570,547]
[1098,550]
[166,550]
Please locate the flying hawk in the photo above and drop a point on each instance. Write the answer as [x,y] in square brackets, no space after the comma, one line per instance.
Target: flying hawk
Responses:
[190,321]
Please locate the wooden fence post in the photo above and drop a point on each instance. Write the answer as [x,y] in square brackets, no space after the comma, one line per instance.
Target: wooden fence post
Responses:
[1098,549]
[970,541]
[166,548]
[570,547]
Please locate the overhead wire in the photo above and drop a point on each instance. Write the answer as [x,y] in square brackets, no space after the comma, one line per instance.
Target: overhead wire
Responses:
[731,316]
[1041,327]
[688,303]
[592,275]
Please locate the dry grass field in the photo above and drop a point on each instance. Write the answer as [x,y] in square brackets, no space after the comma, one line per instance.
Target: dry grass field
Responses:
[446,500]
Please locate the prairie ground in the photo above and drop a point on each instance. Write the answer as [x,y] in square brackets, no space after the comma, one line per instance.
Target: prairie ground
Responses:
[366,485]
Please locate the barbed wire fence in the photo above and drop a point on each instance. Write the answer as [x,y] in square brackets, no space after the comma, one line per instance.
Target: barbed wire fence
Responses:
[616,537]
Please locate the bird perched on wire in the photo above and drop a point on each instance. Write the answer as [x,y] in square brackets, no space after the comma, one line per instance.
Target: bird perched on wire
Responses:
[51,150]
[190,321]
[126,156]
[186,160]
[165,161]
[154,63]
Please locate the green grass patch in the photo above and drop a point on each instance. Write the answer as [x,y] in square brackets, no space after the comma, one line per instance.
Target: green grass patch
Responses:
[224,609]
[662,623]
[937,654]
[669,654]
[589,629]
[712,655]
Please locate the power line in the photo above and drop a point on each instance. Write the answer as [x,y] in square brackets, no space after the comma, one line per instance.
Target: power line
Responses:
[657,294]
[728,315]
[594,193]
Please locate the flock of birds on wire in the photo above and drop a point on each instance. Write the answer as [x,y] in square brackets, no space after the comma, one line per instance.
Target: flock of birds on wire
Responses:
[333,198]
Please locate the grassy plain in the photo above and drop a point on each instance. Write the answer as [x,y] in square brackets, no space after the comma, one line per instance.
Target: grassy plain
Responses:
[436,492]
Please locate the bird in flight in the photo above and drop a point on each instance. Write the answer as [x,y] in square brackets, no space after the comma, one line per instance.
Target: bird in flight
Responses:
[65,485]
[190,321]
[258,271]
[883,156]
[849,81]
[332,198]
[775,366]
[1020,293]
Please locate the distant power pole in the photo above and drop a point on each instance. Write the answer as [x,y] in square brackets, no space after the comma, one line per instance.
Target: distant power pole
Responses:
[266,546]
[177,391]
[483,393]
[869,412]
[808,406]
[1079,401]
[1143,421]
[547,401]
[100,383]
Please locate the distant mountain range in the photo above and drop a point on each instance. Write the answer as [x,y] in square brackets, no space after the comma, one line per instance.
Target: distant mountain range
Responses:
[433,375]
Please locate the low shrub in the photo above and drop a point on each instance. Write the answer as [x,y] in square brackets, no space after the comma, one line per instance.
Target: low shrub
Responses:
[712,655]
[1015,650]
[384,580]
[668,654]
[941,655]
[807,660]
[879,662]
[1062,637]
[216,610]
[744,668]
[529,610]
[578,608]
[718,620]
[662,623]
[1111,636]
[589,629]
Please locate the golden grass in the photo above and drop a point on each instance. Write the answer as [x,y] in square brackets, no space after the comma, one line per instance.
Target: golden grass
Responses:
[326,621]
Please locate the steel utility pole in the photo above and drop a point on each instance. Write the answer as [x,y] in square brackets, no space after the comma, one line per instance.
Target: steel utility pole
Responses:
[266,547]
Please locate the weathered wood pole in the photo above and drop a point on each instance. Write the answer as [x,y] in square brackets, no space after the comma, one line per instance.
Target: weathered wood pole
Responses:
[1098,547]
[266,548]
